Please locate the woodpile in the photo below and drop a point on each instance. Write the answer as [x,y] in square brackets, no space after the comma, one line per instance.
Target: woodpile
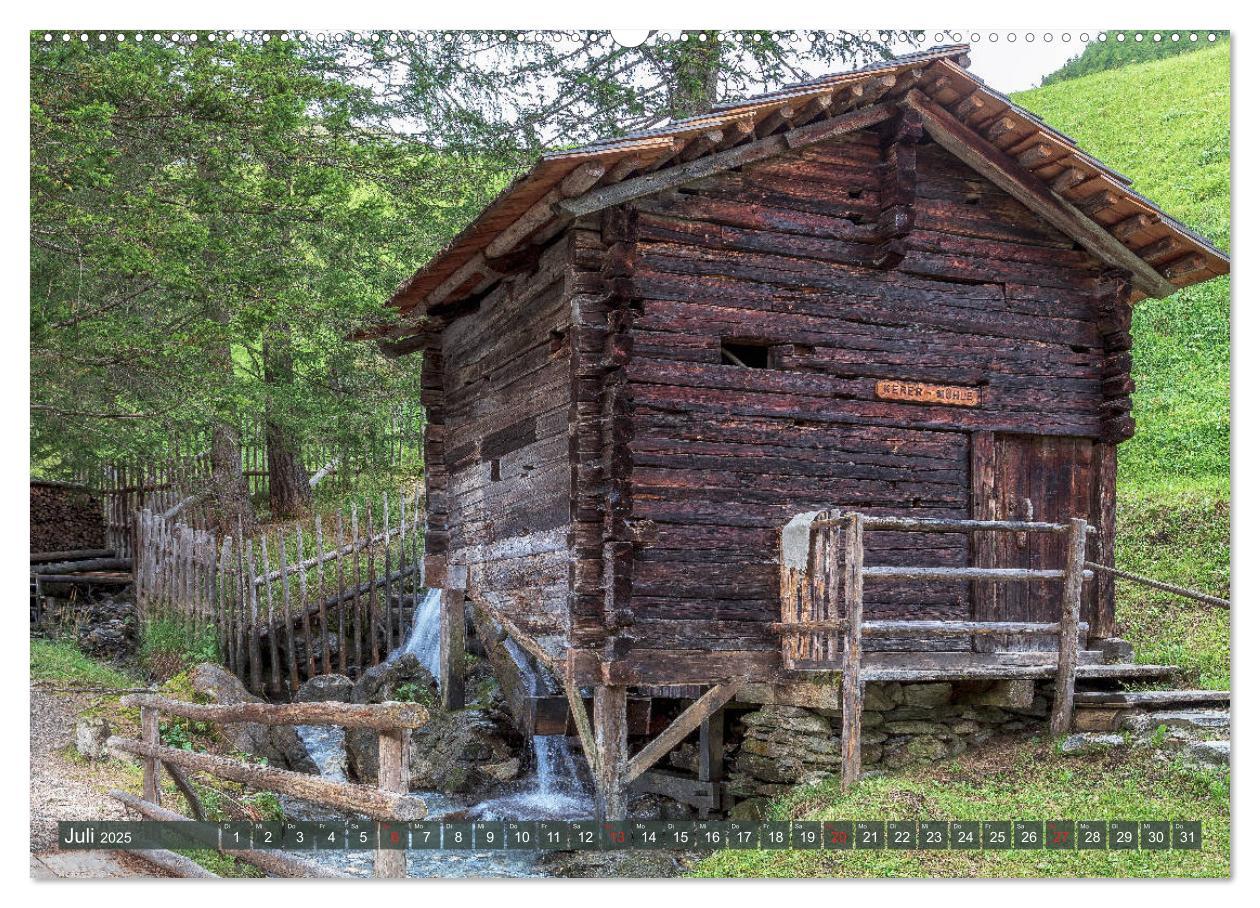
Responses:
[65,517]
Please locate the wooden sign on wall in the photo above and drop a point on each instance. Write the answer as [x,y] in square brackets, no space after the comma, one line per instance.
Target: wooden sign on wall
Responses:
[922,393]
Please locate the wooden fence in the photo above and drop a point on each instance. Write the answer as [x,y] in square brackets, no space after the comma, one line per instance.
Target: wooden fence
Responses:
[293,601]
[389,802]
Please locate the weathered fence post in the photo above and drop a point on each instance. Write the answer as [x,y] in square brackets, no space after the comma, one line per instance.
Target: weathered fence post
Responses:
[851,686]
[1073,580]
[394,778]
[149,734]
[451,637]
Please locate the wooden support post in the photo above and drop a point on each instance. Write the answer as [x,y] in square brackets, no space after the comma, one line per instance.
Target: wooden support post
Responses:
[712,743]
[687,722]
[451,638]
[150,736]
[851,689]
[612,747]
[395,778]
[1065,678]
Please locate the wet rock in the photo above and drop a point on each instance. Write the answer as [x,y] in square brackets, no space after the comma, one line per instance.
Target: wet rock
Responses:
[1090,742]
[629,864]
[323,688]
[279,745]
[505,771]
[464,752]
[403,678]
[90,736]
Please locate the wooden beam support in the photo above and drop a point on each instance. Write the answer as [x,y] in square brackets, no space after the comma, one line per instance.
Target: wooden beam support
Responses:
[612,747]
[394,747]
[851,683]
[451,639]
[981,156]
[687,722]
[680,174]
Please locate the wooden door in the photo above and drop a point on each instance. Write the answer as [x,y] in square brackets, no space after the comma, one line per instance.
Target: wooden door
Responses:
[1026,477]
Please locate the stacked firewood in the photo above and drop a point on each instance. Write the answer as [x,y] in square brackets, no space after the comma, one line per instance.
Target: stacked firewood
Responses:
[65,517]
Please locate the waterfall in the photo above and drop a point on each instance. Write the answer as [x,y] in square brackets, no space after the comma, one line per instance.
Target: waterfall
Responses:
[556,790]
[424,641]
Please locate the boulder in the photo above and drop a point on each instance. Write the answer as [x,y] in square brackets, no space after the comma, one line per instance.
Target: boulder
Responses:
[324,688]
[90,736]
[463,752]
[403,678]
[279,745]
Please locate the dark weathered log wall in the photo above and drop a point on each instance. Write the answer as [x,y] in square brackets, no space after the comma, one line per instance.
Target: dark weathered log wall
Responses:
[784,253]
[503,477]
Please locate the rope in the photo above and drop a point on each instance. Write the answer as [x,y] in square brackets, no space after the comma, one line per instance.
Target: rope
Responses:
[1156,584]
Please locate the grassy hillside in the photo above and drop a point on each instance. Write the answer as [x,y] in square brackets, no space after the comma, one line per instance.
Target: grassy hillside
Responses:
[1166,125]
[1122,48]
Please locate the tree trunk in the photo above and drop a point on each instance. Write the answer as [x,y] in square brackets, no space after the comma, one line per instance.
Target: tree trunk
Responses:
[695,74]
[288,483]
[231,505]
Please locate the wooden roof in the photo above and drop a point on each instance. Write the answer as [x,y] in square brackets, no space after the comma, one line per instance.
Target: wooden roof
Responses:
[1026,156]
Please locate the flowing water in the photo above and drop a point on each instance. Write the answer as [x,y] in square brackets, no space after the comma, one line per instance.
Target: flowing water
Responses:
[556,790]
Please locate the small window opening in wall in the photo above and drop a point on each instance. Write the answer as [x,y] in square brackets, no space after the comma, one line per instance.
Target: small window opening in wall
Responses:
[748,354]
[855,193]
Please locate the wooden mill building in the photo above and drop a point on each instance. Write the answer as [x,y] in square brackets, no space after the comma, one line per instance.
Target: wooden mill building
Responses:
[889,291]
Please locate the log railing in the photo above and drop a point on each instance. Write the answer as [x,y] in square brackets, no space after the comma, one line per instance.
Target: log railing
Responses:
[822,573]
[388,802]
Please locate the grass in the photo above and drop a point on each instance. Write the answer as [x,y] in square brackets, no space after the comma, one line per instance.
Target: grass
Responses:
[1008,781]
[1166,124]
[63,662]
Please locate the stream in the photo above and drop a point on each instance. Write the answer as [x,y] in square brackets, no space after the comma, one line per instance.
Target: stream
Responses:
[554,791]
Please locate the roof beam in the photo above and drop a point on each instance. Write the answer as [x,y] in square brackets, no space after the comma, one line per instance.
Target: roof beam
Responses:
[978,154]
[669,177]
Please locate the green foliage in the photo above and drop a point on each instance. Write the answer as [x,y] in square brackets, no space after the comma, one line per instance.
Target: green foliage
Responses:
[1123,47]
[1031,781]
[410,692]
[62,661]
[1182,537]
[169,646]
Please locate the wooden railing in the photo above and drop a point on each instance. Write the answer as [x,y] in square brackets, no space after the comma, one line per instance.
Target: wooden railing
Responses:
[822,572]
[390,801]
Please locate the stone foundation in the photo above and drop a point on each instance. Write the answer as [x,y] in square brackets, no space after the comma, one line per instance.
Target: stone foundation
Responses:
[902,725]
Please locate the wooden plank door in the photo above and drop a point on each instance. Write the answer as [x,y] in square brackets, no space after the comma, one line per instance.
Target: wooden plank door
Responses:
[1026,477]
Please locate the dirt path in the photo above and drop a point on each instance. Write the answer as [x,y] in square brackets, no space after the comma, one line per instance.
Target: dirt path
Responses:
[66,788]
